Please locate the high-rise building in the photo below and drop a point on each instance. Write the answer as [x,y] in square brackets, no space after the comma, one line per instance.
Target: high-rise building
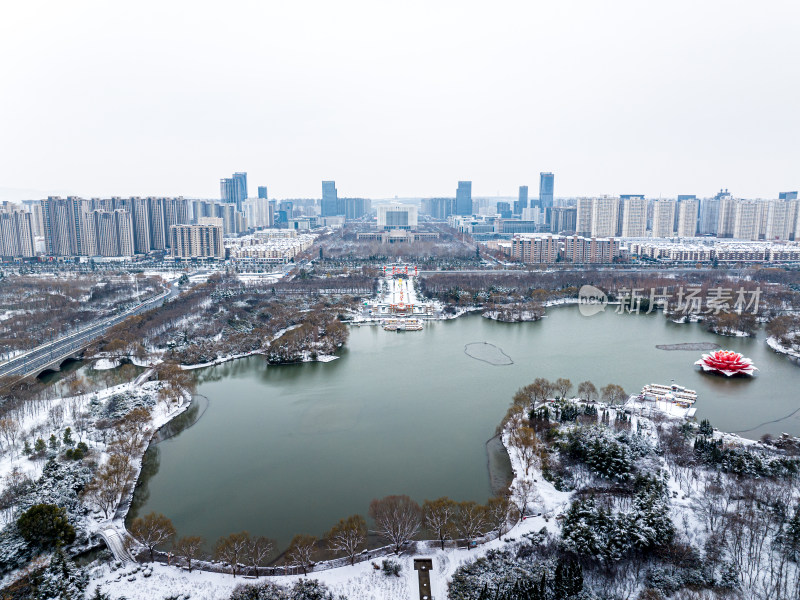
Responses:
[233,190]
[604,217]
[746,220]
[464,198]
[330,197]
[664,218]
[438,208]
[546,187]
[257,213]
[140,213]
[109,233]
[64,228]
[262,191]
[563,220]
[726,214]
[780,219]
[355,208]
[688,209]
[583,216]
[16,233]
[709,216]
[634,216]
[787,196]
[176,212]
[522,203]
[504,210]
[197,241]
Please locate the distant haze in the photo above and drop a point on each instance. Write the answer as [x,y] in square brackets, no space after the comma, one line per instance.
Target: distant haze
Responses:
[165,98]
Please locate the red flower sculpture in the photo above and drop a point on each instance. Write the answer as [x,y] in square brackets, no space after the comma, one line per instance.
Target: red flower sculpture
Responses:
[727,362]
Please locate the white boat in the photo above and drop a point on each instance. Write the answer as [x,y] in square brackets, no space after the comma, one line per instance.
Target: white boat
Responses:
[676,394]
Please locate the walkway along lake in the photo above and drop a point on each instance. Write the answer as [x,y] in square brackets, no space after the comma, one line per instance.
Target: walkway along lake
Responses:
[292,449]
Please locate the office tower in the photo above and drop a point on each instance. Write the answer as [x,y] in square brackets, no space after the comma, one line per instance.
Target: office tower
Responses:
[203,240]
[240,185]
[522,203]
[787,196]
[16,233]
[504,210]
[262,191]
[227,189]
[746,220]
[354,208]
[233,190]
[464,198]
[634,216]
[688,209]
[563,220]
[604,217]
[664,218]
[330,199]
[287,207]
[583,217]
[546,190]
[438,208]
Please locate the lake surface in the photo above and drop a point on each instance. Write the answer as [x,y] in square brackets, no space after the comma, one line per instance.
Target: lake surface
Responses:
[292,449]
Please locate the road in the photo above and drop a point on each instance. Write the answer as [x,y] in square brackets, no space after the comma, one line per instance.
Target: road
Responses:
[66,346]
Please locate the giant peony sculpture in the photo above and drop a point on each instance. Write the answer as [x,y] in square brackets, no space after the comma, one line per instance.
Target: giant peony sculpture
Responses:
[727,362]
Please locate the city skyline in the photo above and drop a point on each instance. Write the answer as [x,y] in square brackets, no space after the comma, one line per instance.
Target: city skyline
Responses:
[637,100]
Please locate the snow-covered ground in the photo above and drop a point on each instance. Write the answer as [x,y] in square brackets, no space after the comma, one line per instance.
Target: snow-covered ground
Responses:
[773,343]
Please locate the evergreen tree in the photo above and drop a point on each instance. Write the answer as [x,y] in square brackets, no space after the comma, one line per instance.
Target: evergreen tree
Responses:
[568,579]
[61,579]
[53,442]
[68,437]
[792,534]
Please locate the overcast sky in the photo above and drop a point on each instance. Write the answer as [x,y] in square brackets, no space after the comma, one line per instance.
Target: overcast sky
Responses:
[399,98]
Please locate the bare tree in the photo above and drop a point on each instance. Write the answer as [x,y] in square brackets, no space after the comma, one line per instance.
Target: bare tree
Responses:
[522,494]
[258,549]
[189,547]
[613,393]
[152,530]
[109,483]
[470,520]
[587,391]
[232,549]
[499,512]
[397,519]
[9,429]
[563,386]
[527,444]
[301,551]
[347,536]
[438,516]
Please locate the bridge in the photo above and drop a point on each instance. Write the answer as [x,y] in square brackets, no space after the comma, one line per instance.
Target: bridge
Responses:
[53,354]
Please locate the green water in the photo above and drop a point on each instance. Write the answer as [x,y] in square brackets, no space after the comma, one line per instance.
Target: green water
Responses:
[292,449]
